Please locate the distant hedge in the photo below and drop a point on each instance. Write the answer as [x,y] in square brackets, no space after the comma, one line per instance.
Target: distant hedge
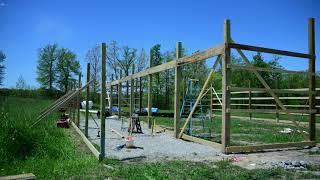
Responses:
[32,93]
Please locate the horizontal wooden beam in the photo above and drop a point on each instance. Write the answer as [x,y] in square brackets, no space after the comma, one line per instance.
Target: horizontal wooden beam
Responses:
[261,147]
[269,50]
[265,105]
[264,90]
[19,176]
[270,98]
[254,68]
[199,56]
[201,141]
[94,151]
[273,111]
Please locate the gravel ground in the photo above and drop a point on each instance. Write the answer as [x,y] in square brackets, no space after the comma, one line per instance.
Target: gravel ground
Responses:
[161,146]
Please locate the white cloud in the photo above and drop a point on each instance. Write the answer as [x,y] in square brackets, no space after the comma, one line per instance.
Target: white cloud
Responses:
[2,4]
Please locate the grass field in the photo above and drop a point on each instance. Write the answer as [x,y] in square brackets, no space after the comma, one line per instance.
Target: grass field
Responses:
[243,132]
[52,153]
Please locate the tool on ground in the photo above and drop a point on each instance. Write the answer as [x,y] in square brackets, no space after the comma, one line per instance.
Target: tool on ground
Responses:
[134,125]
[63,121]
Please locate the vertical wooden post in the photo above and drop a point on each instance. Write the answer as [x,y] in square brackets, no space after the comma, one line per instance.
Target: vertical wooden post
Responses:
[119,96]
[140,94]
[225,137]
[87,102]
[78,100]
[103,101]
[211,102]
[250,114]
[277,106]
[111,93]
[177,81]
[312,79]
[132,93]
[150,93]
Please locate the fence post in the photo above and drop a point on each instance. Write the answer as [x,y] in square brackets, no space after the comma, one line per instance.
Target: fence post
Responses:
[111,93]
[87,101]
[312,79]
[103,101]
[177,81]
[132,93]
[225,137]
[119,97]
[150,93]
[250,113]
[78,101]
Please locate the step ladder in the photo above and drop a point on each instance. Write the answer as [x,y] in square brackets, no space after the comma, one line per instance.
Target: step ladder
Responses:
[189,99]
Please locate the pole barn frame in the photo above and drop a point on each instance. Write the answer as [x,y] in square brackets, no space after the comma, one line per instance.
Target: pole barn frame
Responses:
[223,53]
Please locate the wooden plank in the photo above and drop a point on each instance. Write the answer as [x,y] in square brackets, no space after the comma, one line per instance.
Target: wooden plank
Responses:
[273,111]
[103,101]
[94,151]
[312,78]
[201,141]
[226,79]
[254,68]
[199,56]
[87,102]
[261,147]
[270,98]
[58,105]
[268,50]
[132,94]
[243,90]
[177,82]
[19,177]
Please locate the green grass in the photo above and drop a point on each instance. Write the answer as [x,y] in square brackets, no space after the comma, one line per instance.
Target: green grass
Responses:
[54,153]
[243,132]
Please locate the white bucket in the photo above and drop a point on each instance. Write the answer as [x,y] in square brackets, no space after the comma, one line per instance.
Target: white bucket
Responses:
[129,141]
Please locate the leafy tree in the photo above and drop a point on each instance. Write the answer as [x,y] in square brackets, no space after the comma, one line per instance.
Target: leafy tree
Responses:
[21,83]
[129,56]
[2,67]
[46,68]
[67,68]
[113,58]
[93,57]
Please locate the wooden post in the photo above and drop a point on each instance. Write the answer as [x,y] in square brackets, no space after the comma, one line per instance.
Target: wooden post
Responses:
[119,96]
[150,94]
[132,93]
[103,101]
[140,94]
[111,93]
[177,81]
[312,79]
[78,101]
[277,106]
[87,102]
[225,137]
[250,114]
[211,102]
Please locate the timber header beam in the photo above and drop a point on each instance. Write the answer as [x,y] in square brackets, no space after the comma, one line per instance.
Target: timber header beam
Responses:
[269,50]
[199,56]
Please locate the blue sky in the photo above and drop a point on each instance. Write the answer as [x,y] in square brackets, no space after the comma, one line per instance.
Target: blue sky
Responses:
[27,25]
